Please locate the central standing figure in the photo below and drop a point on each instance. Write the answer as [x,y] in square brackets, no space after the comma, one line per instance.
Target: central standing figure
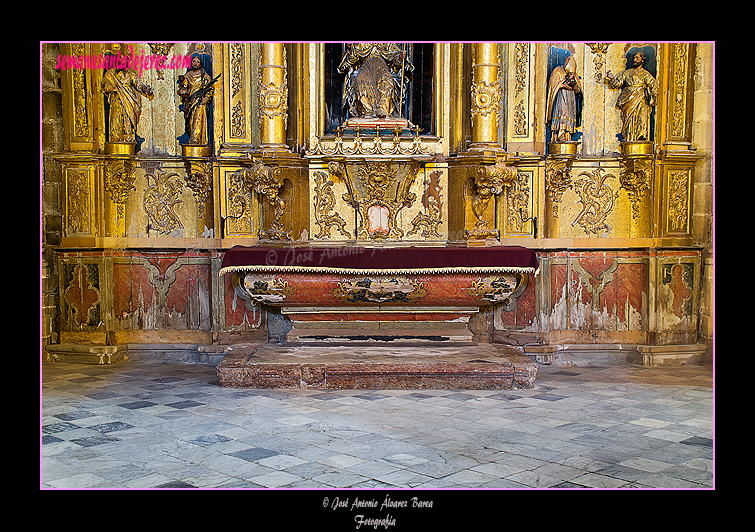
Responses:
[374,86]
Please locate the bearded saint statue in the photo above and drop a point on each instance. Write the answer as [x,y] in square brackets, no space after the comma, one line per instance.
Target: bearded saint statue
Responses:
[374,84]
[123,91]
[639,91]
[196,90]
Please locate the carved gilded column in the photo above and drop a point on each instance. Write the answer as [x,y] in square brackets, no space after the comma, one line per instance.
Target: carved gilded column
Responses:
[486,96]
[273,96]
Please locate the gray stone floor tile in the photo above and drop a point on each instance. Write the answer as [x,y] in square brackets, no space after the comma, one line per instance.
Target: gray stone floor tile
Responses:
[142,426]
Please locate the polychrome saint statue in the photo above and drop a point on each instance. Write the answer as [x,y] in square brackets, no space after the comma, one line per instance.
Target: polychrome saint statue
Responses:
[564,89]
[375,79]
[196,91]
[123,91]
[639,90]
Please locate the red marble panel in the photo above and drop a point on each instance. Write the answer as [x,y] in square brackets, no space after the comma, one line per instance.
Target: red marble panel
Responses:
[236,312]
[558,278]
[631,284]
[327,290]
[122,302]
[526,309]
[82,294]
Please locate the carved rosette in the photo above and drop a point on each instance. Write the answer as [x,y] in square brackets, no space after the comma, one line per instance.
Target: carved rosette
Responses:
[274,100]
[272,87]
[486,98]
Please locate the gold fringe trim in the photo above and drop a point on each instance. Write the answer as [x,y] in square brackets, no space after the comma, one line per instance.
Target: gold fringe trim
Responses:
[379,271]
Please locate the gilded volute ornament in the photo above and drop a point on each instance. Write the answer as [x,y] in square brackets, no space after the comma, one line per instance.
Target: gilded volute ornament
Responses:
[375,85]
[639,90]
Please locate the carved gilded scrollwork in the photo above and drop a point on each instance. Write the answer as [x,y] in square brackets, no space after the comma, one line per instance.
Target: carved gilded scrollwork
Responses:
[325,200]
[678,123]
[597,199]
[378,191]
[78,192]
[521,54]
[237,68]
[518,204]
[80,116]
[199,180]
[490,180]
[237,120]
[599,51]
[557,180]
[119,178]
[635,177]
[678,196]
[162,194]
[431,219]
[267,180]
[239,217]
[520,120]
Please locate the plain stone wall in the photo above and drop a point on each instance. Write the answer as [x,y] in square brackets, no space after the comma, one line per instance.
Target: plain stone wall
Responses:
[702,224]
[51,190]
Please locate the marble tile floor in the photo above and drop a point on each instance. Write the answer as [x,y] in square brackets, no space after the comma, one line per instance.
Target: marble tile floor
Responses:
[148,425]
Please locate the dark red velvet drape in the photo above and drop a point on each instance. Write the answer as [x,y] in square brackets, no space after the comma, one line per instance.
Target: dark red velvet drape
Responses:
[383,258]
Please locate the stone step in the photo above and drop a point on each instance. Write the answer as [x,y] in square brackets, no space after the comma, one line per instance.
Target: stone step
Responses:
[371,335]
[349,366]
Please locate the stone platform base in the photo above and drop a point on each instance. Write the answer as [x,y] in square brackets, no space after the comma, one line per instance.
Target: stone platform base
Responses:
[348,366]
[590,354]
[110,354]
[86,354]
[673,355]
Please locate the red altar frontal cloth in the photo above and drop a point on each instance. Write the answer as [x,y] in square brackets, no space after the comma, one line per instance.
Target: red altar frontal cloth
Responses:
[403,258]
